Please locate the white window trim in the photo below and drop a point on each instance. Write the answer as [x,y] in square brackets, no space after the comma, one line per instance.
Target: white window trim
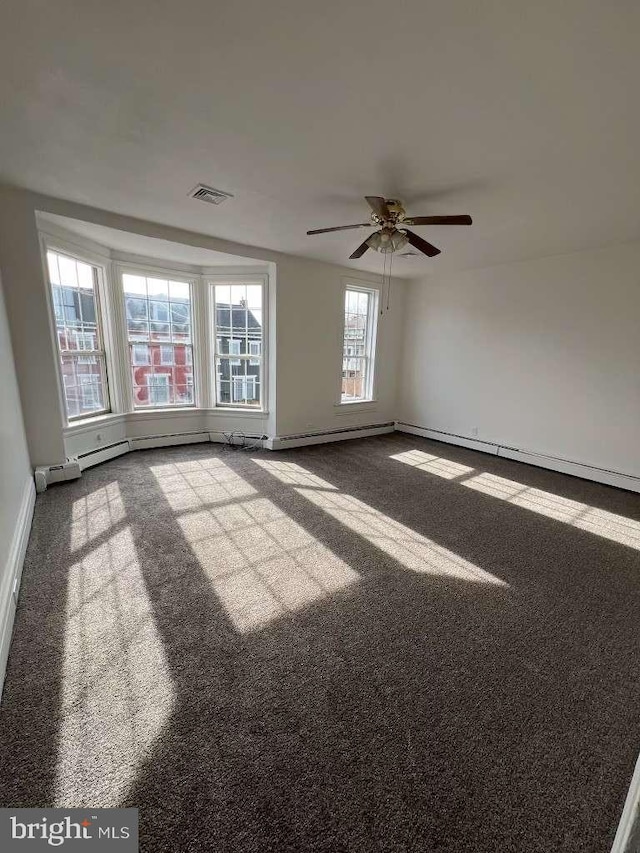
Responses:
[253,278]
[371,345]
[52,243]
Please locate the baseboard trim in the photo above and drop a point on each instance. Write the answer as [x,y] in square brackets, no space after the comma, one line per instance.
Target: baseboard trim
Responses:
[12,574]
[576,469]
[448,437]
[530,457]
[103,454]
[168,440]
[282,442]
[630,818]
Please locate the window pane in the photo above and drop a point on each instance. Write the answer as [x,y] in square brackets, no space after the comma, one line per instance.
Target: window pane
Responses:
[178,291]
[68,274]
[52,263]
[158,288]
[140,354]
[159,331]
[134,284]
[83,381]
[137,309]
[224,391]
[159,315]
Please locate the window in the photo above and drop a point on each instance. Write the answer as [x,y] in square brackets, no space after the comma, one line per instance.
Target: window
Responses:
[360,314]
[255,350]
[234,349]
[158,384]
[89,392]
[76,308]
[244,389]
[159,333]
[140,354]
[238,358]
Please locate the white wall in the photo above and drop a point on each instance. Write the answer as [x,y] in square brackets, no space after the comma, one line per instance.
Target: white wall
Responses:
[305,343]
[28,314]
[541,355]
[309,355]
[16,485]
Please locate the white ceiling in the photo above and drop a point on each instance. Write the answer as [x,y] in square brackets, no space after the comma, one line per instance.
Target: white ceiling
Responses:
[523,114]
[138,244]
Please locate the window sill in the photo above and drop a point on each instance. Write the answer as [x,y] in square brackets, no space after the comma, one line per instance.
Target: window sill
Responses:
[221,411]
[169,412]
[86,424]
[355,407]
[192,412]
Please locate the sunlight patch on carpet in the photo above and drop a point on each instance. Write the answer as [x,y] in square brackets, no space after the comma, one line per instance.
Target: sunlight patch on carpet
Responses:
[598,521]
[116,687]
[293,474]
[437,465]
[261,564]
[410,549]
[198,483]
[95,514]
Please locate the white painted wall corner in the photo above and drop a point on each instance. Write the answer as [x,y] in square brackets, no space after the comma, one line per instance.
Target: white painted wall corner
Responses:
[12,574]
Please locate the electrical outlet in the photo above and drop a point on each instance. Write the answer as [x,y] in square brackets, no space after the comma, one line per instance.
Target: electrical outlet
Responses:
[98,438]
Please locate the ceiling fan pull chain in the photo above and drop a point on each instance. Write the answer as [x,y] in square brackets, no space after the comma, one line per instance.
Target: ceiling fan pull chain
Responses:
[389,282]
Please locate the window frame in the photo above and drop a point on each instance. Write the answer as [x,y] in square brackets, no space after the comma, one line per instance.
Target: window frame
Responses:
[100,266]
[168,273]
[371,342]
[261,279]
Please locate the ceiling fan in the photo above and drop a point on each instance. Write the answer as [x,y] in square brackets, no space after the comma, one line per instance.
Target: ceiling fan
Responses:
[389,215]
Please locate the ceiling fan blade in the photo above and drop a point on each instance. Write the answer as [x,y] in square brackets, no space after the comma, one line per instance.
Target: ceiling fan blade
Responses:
[359,252]
[379,206]
[341,228]
[419,243]
[438,220]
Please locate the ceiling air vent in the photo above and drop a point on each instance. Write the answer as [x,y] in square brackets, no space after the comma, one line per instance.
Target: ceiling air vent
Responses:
[209,194]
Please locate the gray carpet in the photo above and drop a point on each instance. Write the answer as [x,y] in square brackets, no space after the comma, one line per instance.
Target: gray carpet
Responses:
[330,649]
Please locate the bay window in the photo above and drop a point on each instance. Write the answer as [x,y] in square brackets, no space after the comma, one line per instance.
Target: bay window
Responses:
[138,336]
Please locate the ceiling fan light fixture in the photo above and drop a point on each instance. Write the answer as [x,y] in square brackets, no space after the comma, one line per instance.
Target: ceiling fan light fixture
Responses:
[387,241]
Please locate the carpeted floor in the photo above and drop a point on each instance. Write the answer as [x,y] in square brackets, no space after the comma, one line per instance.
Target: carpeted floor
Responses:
[380,645]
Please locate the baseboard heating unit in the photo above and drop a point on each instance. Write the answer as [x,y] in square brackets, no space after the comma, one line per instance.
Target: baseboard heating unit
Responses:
[281,442]
[530,457]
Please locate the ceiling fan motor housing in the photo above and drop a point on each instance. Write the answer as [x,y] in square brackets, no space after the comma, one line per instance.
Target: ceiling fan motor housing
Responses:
[387,214]
[387,240]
